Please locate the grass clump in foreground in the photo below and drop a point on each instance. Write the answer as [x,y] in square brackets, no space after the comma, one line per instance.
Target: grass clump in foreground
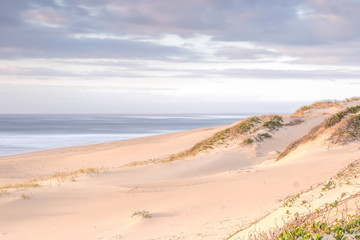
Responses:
[344,229]
[143,213]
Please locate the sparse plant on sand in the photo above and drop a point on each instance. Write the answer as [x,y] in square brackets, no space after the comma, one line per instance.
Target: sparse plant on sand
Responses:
[143,213]
[248,141]
[25,196]
[329,185]
[262,136]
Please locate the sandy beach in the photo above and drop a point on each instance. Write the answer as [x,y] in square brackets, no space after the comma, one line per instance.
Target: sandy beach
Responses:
[213,192]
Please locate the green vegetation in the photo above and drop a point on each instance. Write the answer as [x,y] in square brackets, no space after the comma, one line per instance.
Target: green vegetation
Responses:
[218,138]
[143,213]
[290,202]
[354,126]
[334,204]
[344,229]
[352,129]
[248,141]
[274,123]
[324,104]
[329,185]
[348,130]
[260,137]
[336,118]
[243,127]
[248,124]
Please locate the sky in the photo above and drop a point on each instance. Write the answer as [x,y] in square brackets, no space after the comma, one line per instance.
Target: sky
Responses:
[170,56]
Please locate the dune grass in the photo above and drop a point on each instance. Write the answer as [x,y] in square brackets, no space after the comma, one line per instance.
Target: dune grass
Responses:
[323,104]
[348,130]
[318,105]
[274,123]
[244,127]
[59,177]
[336,118]
[29,184]
[352,128]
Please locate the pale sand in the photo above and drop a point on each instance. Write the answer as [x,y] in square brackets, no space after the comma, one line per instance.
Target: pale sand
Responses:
[210,196]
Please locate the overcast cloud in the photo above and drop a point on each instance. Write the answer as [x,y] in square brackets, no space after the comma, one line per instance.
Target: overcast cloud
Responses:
[157,56]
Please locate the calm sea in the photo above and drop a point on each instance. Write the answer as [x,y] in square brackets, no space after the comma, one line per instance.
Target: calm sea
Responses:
[29,133]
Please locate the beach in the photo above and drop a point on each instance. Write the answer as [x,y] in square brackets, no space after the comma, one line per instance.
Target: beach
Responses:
[208,183]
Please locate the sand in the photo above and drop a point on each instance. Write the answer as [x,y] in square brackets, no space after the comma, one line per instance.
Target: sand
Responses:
[209,196]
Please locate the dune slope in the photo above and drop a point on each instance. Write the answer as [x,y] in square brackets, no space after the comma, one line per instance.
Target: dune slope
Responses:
[211,183]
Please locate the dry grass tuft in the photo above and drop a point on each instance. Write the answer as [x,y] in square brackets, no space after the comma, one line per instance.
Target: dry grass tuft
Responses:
[139,163]
[323,104]
[59,177]
[62,176]
[143,213]
[317,105]
[25,196]
[29,184]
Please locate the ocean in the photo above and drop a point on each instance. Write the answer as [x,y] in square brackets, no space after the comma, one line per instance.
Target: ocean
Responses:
[35,132]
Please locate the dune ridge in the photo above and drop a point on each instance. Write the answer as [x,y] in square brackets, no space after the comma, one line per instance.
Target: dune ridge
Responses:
[226,182]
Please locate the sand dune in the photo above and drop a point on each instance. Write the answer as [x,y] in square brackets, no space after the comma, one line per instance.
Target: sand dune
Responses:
[211,192]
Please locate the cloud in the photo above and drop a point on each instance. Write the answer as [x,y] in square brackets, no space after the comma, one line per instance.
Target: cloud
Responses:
[45,28]
[184,46]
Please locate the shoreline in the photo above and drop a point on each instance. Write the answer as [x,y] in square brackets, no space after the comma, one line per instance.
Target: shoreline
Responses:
[34,133]
[220,183]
